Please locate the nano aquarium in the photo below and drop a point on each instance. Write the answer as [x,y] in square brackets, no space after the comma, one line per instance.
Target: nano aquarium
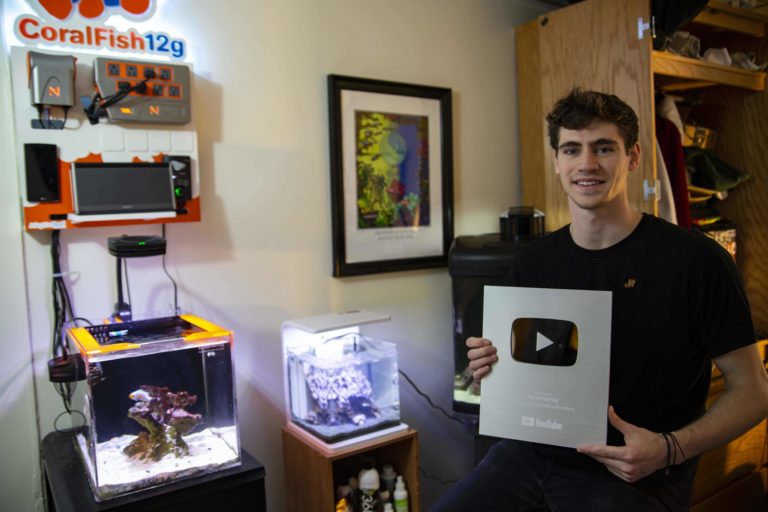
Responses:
[160,403]
[339,383]
[476,261]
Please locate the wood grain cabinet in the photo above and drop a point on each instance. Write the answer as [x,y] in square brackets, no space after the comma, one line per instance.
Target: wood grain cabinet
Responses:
[734,476]
[607,46]
[592,44]
[313,469]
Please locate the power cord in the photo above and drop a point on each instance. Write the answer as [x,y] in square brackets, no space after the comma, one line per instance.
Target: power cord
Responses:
[45,121]
[446,414]
[98,105]
[127,281]
[62,316]
[436,479]
[175,288]
[429,400]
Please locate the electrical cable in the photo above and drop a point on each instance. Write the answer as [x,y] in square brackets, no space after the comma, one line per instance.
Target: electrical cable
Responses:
[175,288]
[127,281]
[66,115]
[438,480]
[81,319]
[62,310]
[47,123]
[99,105]
[429,400]
[358,337]
[56,420]
[40,116]
[447,415]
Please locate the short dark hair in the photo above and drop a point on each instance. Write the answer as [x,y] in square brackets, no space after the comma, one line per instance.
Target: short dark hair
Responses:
[580,108]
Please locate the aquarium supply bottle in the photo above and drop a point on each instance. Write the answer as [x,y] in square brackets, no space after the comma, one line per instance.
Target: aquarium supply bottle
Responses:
[343,491]
[401,496]
[388,478]
[353,495]
[368,485]
[343,505]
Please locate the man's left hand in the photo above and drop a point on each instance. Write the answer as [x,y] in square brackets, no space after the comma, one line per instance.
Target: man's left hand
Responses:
[644,451]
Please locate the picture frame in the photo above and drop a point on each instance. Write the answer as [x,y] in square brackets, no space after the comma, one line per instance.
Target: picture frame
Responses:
[391,153]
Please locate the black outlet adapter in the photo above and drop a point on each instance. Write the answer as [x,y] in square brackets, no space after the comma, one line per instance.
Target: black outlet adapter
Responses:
[68,368]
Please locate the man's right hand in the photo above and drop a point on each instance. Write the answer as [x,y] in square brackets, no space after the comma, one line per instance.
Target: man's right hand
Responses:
[482,354]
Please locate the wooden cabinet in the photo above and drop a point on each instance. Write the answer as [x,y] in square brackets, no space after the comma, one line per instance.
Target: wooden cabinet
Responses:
[602,45]
[734,476]
[593,45]
[313,469]
[718,25]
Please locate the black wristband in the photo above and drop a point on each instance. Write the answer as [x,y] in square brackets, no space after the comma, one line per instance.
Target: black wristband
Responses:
[678,447]
[665,435]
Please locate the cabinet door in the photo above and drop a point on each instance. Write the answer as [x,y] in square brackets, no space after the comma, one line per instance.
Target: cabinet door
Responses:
[593,45]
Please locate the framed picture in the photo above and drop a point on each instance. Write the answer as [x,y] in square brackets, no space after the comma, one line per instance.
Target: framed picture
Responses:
[391,175]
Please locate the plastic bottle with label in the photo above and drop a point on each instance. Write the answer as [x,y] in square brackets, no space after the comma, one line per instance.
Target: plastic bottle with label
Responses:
[388,478]
[401,496]
[368,485]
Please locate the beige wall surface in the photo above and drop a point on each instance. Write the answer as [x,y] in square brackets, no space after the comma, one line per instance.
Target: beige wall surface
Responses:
[19,467]
[262,252]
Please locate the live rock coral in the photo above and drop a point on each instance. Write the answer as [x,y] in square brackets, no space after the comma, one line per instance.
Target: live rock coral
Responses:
[162,413]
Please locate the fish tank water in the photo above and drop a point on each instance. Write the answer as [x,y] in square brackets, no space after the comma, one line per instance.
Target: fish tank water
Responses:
[339,383]
[160,403]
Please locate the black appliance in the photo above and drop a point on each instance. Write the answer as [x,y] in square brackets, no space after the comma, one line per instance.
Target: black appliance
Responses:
[474,262]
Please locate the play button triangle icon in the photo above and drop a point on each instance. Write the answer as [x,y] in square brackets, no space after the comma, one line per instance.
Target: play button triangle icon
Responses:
[542,342]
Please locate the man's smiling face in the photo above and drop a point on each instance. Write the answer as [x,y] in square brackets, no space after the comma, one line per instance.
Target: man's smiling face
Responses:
[593,164]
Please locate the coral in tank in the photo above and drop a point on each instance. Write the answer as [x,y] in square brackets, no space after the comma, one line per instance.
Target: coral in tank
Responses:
[162,413]
[343,395]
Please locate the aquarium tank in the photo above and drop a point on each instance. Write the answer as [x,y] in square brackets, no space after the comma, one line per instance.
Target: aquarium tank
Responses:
[339,384]
[160,403]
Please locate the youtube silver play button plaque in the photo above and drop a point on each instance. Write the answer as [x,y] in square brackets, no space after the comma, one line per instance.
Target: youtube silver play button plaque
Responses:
[550,384]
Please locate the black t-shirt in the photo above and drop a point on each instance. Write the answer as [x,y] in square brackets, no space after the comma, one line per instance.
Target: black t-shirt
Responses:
[678,302]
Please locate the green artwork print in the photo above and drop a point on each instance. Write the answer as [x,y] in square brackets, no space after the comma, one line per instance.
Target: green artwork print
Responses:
[392,158]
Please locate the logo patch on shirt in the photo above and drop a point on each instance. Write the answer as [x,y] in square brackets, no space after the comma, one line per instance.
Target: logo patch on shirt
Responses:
[630,283]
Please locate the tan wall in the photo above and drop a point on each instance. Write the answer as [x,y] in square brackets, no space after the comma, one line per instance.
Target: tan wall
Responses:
[262,253]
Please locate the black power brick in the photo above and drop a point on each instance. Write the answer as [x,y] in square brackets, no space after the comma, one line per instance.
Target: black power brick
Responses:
[69,368]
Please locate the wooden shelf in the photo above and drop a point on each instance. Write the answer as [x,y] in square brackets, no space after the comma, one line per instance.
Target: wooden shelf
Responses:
[313,468]
[674,72]
[737,470]
[692,73]
[720,16]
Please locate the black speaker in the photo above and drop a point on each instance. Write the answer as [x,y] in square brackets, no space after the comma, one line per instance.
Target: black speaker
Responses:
[42,169]
[181,170]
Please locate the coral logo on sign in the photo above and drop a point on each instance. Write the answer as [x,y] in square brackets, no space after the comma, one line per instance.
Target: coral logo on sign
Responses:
[93,9]
[76,24]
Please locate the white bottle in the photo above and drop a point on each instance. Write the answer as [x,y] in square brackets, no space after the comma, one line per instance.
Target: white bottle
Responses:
[401,496]
[368,483]
[388,507]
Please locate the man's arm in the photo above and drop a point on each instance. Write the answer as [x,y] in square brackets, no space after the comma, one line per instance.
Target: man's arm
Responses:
[743,404]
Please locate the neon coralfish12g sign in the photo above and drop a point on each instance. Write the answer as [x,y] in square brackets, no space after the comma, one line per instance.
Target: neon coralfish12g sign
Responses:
[75,24]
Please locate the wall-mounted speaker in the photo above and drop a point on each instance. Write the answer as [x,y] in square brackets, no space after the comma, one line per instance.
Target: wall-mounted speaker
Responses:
[41,162]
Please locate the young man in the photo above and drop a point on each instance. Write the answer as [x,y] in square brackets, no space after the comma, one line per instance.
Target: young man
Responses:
[678,305]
